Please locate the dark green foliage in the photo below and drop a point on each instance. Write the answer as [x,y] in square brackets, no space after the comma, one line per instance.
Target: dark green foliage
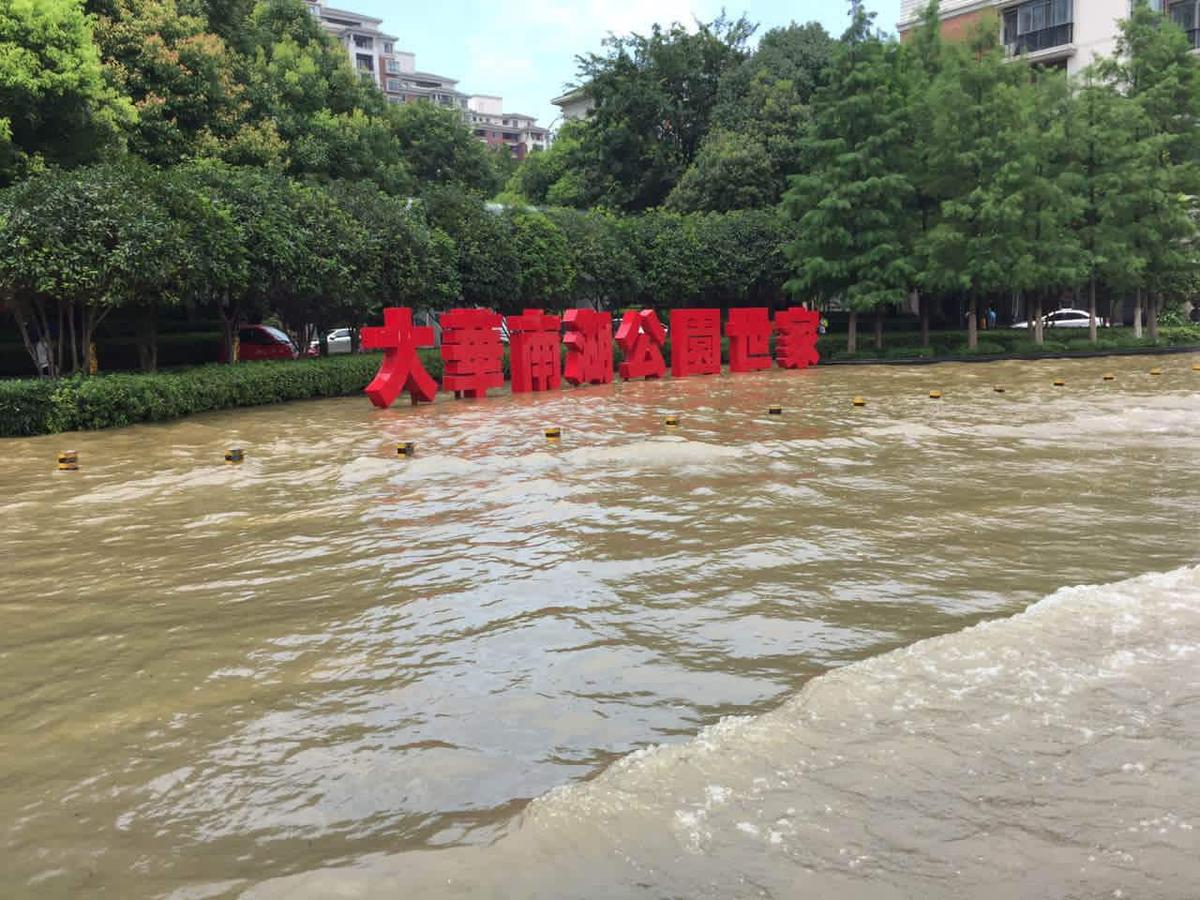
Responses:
[852,208]
[55,106]
[758,125]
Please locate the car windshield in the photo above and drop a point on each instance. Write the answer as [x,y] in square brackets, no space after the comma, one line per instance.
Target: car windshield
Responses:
[277,334]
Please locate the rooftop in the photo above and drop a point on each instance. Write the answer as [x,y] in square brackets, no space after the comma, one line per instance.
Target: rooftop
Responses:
[346,14]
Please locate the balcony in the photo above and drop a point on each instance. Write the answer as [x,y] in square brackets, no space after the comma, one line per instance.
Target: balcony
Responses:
[1038,27]
[1043,39]
[1186,15]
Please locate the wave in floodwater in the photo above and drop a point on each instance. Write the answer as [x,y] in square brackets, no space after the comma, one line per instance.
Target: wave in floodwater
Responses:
[1050,754]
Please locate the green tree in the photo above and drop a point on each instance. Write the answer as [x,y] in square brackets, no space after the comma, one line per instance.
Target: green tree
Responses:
[180,77]
[488,264]
[654,97]
[55,106]
[545,272]
[254,257]
[982,157]
[732,171]
[1155,69]
[439,149]
[76,245]
[604,267]
[755,141]
[852,208]
[1099,138]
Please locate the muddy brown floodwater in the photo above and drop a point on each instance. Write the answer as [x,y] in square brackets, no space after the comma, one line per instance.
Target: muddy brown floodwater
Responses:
[730,659]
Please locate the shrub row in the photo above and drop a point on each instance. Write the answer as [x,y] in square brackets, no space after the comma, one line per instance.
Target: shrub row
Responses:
[1004,341]
[40,406]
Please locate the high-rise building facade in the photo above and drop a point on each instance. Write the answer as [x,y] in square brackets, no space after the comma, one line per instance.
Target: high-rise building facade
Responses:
[1070,34]
[491,124]
[373,53]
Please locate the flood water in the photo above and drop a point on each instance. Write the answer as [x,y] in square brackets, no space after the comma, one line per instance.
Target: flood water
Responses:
[739,658]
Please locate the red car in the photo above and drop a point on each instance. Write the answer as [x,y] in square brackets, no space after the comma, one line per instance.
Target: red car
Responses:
[263,342]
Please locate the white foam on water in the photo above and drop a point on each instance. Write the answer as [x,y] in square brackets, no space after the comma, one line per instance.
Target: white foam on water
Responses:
[1054,753]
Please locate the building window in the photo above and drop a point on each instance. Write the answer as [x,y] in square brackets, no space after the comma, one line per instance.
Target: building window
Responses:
[388,47]
[363,42]
[364,62]
[393,85]
[1038,25]
[393,67]
[1187,16]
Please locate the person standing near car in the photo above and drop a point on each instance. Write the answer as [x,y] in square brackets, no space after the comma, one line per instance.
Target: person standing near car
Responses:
[991,317]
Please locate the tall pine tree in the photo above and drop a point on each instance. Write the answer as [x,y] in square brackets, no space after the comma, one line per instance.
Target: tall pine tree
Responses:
[1155,69]
[852,207]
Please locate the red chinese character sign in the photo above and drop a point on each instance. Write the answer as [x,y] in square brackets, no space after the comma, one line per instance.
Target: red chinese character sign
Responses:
[641,338]
[749,333]
[534,351]
[472,352]
[695,342]
[401,369]
[589,346]
[796,338]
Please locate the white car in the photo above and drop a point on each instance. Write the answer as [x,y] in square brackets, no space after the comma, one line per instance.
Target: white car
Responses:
[1065,318]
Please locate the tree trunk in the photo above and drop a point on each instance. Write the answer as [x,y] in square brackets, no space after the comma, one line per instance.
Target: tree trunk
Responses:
[1039,328]
[148,340]
[973,323]
[923,307]
[1092,336]
[852,333]
[1137,314]
[30,347]
[87,331]
[879,328]
[1152,319]
[73,340]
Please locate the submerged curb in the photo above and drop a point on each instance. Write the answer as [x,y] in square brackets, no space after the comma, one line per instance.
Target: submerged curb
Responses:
[1000,357]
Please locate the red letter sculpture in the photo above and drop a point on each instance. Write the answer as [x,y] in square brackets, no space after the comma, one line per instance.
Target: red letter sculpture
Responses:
[796,344]
[589,346]
[695,342]
[641,338]
[401,369]
[534,351]
[472,352]
[749,333]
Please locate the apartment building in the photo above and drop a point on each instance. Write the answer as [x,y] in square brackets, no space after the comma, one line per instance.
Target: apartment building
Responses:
[373,53]
[491,124]
[575,104]
[1069,34]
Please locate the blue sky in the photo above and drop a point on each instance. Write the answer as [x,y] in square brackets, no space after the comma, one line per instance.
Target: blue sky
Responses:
[525,51]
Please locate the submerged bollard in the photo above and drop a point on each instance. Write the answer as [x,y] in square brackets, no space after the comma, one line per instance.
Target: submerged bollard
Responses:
[234,455]
[553,434]
[775,410]
[672,421]
[68,461]
[406,448]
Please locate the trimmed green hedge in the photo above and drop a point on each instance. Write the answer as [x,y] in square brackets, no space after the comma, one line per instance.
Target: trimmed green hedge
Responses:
[40,406]
[906,345]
